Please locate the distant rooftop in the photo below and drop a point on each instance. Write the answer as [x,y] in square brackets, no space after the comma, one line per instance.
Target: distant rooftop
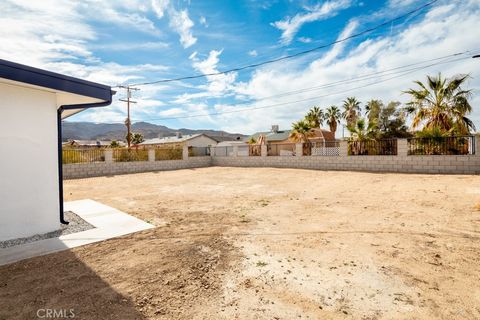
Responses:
[272,136]
[102,143]
[283,135]
[173,139]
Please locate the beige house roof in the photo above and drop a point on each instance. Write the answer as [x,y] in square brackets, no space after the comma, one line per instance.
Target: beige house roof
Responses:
[173,139]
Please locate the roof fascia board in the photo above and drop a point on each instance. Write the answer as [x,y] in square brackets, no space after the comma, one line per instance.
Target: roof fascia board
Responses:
[42,78]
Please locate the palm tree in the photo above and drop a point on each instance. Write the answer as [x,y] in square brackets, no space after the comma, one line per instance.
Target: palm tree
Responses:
[361,131]
[315,117]
[441,103]
[301,131]
[373,109]
[333,116]
[351,111]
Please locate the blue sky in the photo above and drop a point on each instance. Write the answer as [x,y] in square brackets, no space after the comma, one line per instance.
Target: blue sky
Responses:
[132,41]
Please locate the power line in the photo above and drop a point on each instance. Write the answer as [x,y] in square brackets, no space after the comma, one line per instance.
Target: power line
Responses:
[256,65]
[398,75]
[354,79]
[358,78]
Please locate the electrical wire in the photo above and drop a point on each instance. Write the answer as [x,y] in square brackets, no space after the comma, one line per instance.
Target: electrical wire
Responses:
[395,76]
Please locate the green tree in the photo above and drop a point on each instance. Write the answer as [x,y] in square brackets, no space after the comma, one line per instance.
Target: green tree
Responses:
[315,117]
[137,138]
[373,109]
[391,121]
[333,117]
[114,144]
[301,131]
[441,103]
[351,110]
[362,130]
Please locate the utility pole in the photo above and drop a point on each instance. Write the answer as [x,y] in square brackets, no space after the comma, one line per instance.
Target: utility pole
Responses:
[127,121]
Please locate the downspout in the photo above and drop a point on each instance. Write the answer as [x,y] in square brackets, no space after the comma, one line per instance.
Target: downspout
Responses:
[59,146]
[60,164]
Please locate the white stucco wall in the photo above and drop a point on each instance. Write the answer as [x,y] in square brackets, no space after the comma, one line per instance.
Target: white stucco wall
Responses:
[28,162]
[201,141]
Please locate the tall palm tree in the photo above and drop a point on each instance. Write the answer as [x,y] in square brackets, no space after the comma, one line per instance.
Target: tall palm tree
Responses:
[441,103]
[372,109]
[315,117]
[301,131]
[333,117]
[351,110]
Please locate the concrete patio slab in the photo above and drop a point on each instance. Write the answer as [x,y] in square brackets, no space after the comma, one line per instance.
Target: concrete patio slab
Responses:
[108,222]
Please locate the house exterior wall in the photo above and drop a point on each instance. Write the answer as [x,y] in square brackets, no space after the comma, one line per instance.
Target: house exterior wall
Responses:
[28,164]
[201,141]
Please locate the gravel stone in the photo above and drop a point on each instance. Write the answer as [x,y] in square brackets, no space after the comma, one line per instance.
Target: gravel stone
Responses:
[76,224]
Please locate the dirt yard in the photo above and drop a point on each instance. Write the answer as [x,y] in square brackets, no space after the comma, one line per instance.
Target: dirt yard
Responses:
[238,243]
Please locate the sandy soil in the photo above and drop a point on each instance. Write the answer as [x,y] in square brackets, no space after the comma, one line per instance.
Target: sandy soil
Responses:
[237,243]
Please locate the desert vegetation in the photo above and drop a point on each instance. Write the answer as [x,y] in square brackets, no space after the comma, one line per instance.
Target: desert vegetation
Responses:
[438,108]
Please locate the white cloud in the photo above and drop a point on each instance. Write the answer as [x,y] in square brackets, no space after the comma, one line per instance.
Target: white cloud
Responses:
[179,21]
[253,53]
[127,46]
[400,3]
[338,47]
[208,65]
[56,35]
[217,86]
[203,21]
[305,39]
[160,6]
[182,24]
[120,18]
[291,25]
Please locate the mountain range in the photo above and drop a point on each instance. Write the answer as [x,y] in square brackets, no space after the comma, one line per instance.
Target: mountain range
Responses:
[118,131]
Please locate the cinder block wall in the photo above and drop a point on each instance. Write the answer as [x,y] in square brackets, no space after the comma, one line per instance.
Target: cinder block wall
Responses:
[415,164]
[461,164]
[95,169]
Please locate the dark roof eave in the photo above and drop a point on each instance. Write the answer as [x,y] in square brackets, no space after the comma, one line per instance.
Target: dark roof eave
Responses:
[38,77]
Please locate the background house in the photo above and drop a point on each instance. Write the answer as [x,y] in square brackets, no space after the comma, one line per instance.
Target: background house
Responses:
[33,104]
[276,136]
[194,140]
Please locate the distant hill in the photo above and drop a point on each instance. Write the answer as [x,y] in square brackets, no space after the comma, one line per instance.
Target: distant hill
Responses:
[118,131]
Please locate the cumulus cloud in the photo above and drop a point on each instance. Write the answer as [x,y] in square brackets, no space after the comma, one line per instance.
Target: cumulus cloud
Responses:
[217,85]
[182,24]
[291,25]
[253,53]
[160,6]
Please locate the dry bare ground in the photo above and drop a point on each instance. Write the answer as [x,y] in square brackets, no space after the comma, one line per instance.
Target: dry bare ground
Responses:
[260,243]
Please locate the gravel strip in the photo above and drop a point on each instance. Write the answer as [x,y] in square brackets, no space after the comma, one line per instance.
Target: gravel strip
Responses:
[76,224]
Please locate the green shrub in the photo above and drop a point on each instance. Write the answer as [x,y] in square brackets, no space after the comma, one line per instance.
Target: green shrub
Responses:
[168,154]
[128,155]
